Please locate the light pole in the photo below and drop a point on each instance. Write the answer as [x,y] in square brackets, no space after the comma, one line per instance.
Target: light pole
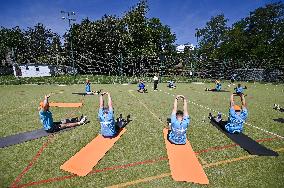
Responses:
[70,18]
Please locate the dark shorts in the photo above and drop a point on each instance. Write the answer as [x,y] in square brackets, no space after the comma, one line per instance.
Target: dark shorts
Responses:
[70,120]
[55,127]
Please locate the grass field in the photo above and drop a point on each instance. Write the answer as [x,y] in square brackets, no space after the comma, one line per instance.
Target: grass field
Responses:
[139,158]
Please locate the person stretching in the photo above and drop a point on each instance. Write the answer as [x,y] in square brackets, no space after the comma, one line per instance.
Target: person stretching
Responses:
[239,90]
[171,84]
[179,123]
[237,115]
[88,88]
[141,87]
[109,128]
[46,119]
[218,86]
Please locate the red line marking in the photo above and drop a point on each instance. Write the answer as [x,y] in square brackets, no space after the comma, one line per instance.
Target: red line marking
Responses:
[61,178]
[32,162]
[93,172]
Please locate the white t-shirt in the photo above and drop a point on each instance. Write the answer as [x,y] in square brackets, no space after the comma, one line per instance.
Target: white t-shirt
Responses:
[155,78]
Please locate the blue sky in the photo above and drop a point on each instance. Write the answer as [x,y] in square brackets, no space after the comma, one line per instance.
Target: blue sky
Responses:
[183,16]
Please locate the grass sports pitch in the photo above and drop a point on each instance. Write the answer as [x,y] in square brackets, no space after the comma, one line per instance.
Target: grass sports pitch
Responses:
[139,158]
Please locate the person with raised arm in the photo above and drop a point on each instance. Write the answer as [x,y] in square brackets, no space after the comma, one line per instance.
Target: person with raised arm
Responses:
[46,118]
[237,115]
[179,123]
[218,86]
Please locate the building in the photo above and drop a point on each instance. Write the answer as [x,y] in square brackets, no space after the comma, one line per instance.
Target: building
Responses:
[34,70]
[180,48]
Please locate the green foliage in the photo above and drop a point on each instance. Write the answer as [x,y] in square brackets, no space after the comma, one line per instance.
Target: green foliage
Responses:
[135,45]
[80,79]
[253,42]
[134,40]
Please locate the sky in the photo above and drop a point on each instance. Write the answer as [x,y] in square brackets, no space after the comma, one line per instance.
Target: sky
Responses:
[183,16]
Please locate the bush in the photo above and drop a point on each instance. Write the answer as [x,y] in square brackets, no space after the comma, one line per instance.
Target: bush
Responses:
[80,79]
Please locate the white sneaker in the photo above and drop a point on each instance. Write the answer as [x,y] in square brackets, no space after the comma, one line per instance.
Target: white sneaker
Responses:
[83,120]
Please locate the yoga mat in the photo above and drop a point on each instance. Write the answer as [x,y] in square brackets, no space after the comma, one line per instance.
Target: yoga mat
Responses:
[83,162]
[65,105]
[245,142]
[220,91]
[280,120]
[184,164]
[82,94]
[26,136]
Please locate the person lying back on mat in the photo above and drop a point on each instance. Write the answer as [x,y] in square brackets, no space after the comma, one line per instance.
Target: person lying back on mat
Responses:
[237,115]
[179,123]
[46,119]
[239,90]
[141,87]
[218,86]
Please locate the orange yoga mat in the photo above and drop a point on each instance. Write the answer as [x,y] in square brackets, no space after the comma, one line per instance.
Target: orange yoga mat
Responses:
[65,105]
[83,162]
[184,164]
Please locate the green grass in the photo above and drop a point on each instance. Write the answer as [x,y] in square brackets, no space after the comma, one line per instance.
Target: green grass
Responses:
[143,139]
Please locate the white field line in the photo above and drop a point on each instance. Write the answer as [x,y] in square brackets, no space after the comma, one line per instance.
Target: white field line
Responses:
[146,107]
[130,92]
[208,108]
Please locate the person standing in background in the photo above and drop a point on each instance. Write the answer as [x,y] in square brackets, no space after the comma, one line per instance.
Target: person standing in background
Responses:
[156,80]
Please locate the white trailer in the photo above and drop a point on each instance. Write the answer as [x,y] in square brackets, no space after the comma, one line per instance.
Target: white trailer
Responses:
[31,70]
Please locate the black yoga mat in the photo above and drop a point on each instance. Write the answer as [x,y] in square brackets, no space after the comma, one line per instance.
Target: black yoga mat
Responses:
[26,136]
[280,120]
[83,94]
[220,91]
[245,142]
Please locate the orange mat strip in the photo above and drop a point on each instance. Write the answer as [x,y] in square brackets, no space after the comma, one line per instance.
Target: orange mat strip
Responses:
[184,164]
[83,162]
[65,105]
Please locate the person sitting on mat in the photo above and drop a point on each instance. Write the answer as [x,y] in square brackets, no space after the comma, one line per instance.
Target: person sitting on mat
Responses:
[179,123]
[171,84]
[47,120]
[88,88]
[277,107]
[141,87]
[237,115]
[218,86]
[109,128]
[239,90]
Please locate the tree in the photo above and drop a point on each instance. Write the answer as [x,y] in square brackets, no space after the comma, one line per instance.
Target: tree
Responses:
[133,43]
[210,39]
[12,40]
[38,41]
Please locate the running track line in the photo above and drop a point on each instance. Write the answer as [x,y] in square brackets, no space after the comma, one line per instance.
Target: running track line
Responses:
[32,162]
[125,166]
[206,107]
[144,180]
